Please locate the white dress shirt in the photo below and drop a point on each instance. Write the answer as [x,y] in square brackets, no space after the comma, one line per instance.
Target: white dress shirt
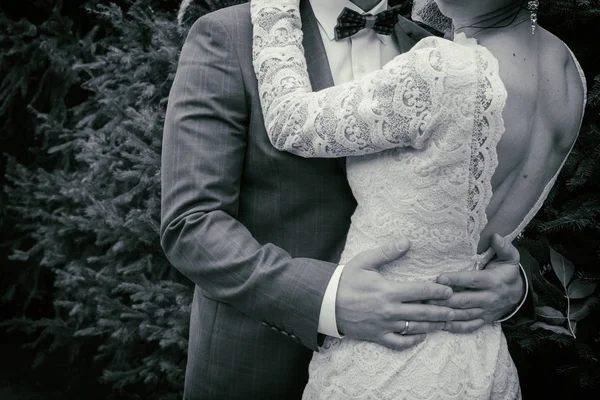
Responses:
[351,58]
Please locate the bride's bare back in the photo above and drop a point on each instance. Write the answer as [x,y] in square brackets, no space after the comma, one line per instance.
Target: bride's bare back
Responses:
[542,118]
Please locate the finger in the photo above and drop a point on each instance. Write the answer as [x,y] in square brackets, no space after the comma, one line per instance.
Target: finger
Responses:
[417,327]
[468,299]
[374,258]
[409,292]
[420,312]
[467,279]
[468,314]
[464,326]
[504,249]
[399,342]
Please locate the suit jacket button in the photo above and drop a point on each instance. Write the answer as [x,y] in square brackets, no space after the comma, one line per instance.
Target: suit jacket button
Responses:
[264,323]
[294,337]
[285,333]
[274,328]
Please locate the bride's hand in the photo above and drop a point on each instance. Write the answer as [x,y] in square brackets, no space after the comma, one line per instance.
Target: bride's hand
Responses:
[482,297]
[372,308]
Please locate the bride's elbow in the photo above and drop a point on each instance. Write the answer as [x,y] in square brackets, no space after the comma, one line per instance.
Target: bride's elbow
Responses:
[291,144]
[276,140]
[279,138]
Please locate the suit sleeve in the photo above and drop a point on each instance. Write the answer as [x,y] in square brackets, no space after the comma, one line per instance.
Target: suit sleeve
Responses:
[204,143]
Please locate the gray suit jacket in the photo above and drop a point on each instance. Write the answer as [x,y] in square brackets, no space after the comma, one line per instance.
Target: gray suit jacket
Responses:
[257,230]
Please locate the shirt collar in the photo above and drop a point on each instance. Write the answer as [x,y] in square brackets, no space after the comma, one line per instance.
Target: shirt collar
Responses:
[327,13]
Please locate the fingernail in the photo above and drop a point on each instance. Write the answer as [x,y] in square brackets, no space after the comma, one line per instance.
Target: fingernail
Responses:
[451,316]
[441,326]
[448,292]
[402,244]
[501,239]
[442,280]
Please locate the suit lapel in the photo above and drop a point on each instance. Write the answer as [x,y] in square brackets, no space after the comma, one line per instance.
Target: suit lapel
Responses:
[314,51]
[405,43]
[414,32]
[317,63]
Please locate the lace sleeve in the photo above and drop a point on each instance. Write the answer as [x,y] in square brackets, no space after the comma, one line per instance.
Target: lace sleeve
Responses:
[396,106]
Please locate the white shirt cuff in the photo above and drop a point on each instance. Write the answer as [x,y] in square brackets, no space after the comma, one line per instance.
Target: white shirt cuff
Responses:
[524,296]
[327,321]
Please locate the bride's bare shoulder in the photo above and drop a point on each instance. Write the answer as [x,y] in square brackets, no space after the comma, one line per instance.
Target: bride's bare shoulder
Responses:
[561,90]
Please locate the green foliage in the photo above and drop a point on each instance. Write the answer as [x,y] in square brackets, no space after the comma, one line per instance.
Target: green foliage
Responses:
[80,206]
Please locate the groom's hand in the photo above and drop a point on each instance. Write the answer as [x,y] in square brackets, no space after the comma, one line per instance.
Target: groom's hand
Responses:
[484,296]
[373,308]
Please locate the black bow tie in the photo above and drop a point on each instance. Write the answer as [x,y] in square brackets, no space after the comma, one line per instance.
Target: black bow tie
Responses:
[350,22]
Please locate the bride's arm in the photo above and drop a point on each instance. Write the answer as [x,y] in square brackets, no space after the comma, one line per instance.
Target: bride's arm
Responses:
[396,106]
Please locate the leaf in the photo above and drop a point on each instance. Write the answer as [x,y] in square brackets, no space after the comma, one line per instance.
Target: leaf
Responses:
[546,293]
[39,360]
[519,321]
[556,329]
[580,289]
[563,268]
[580,311]
[527,260]
[91,331]
[550,315]
[19,255]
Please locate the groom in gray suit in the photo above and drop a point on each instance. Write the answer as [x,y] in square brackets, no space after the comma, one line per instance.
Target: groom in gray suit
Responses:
[259,231]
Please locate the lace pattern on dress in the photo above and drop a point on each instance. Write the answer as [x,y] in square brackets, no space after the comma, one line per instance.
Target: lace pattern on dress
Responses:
[488,128]
[397,106]
[388,108]
[427,12]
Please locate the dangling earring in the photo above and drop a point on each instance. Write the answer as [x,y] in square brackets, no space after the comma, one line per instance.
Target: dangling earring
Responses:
[532,7]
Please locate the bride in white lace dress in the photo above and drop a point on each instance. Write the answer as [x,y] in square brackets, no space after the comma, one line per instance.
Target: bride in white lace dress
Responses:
[447,144]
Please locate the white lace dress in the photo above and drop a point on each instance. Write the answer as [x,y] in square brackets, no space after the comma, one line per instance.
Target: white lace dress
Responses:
[426,128]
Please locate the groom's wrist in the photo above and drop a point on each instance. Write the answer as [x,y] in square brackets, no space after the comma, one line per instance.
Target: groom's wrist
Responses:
[327,318]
